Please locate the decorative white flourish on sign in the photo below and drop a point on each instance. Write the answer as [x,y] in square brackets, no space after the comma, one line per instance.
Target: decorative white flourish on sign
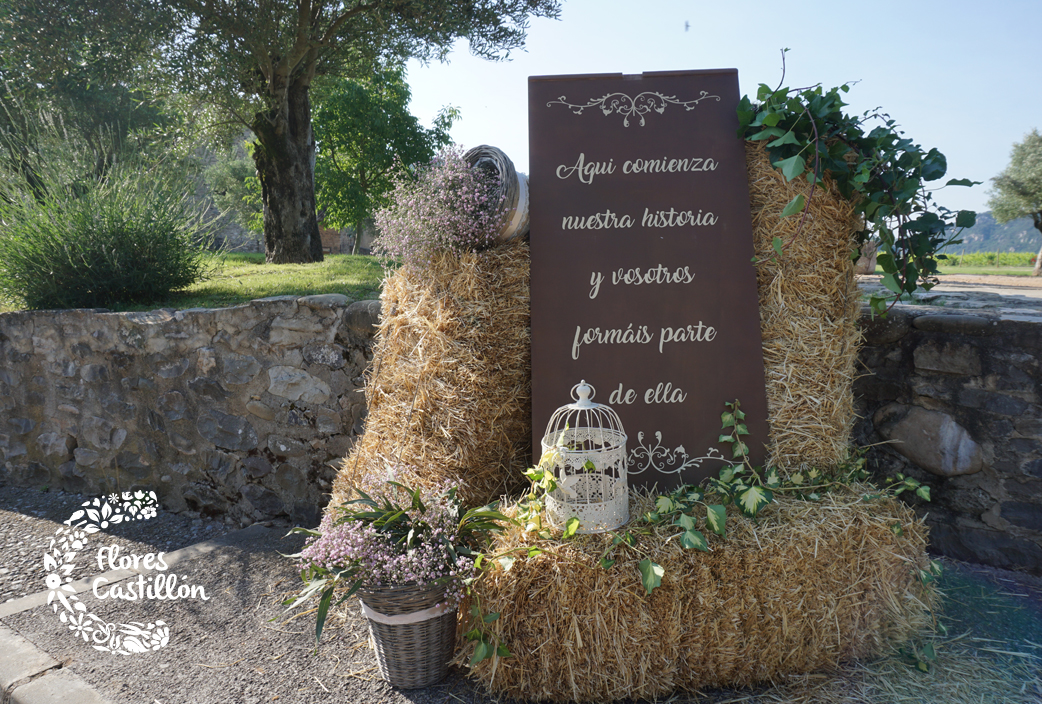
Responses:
[133,637]
[639,106]
[660,458]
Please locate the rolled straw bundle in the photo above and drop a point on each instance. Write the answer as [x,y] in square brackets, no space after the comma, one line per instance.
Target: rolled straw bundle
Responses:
[513,189]
[809,308]
[449,392]
[806,587]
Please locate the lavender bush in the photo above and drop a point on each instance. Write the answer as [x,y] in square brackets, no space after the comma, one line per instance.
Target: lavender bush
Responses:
[396,536]
[444,207]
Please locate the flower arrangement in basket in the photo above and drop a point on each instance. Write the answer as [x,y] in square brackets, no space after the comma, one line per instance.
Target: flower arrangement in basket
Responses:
[409,554]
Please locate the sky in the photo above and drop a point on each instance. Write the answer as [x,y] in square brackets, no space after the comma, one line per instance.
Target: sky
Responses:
[960,76]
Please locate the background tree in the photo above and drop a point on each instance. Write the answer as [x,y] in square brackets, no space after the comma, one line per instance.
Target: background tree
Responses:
[363,128]
[78,66]
[1017,191]
[259,59]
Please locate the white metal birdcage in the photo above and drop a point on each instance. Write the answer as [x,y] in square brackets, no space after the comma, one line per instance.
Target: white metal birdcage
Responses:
[585,447]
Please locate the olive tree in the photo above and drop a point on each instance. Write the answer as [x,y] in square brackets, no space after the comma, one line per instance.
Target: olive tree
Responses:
[1017,191]
[258,61]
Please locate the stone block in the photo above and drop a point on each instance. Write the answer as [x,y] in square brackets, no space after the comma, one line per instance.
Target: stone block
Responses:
[286,447]
[172,405]
[992,401]
[21,426]
[208,388]
[978,544]
[264,500]
[362,317]
[884,331]
[331,356]
[964,324]
[256,467]
[100,434]
[204,499]
[56,447]
[1023,514]
[170,368]
[931,439]
[297,384]
[1033,467]
[57,687]
[950,358]
[20,659]
[182,444]
[327,421]
[260,410]
[239,369]
[227,431]
[291,482]
[205,360]
[94,373]
[324,301]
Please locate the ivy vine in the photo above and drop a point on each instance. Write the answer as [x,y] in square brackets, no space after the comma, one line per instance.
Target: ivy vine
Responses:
[872,164]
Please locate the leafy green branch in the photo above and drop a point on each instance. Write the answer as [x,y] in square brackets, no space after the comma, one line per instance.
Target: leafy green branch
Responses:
[873,165]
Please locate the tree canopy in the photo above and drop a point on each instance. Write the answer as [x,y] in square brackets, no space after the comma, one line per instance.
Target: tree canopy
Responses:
[1017,191]
[258,60]
[364,128]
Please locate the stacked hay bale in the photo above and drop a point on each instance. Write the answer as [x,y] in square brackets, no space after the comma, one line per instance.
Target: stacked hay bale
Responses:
[806,587]
[809,308]
[449,392]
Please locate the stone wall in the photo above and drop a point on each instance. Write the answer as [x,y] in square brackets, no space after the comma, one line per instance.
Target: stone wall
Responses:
[238,411]
[958,398]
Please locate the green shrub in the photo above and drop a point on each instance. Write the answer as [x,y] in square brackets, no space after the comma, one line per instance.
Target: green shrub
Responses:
[130,235]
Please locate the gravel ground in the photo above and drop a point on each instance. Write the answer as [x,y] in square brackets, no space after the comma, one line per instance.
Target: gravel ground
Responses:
[238,646]
[29,517]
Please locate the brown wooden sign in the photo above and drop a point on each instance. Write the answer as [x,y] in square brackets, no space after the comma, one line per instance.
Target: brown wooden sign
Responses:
[642,281]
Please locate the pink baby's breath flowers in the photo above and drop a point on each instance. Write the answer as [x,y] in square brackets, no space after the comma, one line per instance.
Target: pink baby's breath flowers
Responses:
[444,207]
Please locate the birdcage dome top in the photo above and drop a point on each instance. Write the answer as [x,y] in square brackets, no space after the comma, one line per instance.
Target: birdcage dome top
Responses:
[585,413]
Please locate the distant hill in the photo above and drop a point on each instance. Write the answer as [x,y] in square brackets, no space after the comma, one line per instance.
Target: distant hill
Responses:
[989,236]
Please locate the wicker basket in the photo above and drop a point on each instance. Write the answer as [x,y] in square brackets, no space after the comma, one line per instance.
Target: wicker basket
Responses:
[415,654]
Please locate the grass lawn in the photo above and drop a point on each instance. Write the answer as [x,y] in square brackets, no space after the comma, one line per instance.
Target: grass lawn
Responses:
[981,270]
[239,278]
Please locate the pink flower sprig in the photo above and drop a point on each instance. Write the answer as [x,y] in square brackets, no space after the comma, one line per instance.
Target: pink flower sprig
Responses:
[445,206]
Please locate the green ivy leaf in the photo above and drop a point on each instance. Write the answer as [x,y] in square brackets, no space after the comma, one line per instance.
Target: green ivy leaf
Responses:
[506,562]
[752,499]
[795,206]
[792,167]
[606,563]
[787,138]
[727,419]
[716,519]
[664,504]
[503,651]
[777,243]
[923,492]
[570,527]
[534,552]
[685,521]
[896,529]
[693,539]
[481,652]
[651,574]
[890,282]
[767,133]
[489,618]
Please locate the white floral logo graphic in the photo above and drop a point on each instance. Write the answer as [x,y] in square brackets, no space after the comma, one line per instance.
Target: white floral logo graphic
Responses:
[70,540]
[638,106]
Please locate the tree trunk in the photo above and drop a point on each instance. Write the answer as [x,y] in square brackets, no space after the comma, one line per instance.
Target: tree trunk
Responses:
[285,160]
[357,246]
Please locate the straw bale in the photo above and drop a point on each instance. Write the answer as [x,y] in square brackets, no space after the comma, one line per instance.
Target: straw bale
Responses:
[808,586]
[449,390]
[809,308]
